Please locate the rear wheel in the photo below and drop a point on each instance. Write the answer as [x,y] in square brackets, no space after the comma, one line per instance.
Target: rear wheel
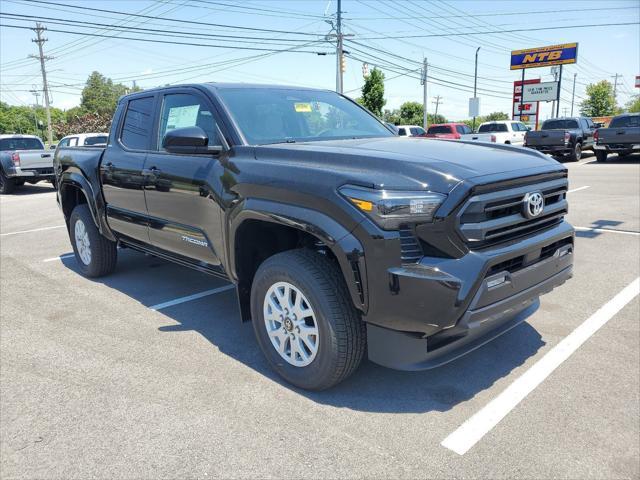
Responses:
[576,155]
[601,156]
[7,185]
[95,254]
[304,320]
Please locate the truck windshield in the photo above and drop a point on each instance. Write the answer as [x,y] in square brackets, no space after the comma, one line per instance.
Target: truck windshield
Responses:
[21,144]
[277,115]
[559,124]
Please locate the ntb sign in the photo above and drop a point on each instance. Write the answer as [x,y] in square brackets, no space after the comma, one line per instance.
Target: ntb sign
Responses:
[544,56]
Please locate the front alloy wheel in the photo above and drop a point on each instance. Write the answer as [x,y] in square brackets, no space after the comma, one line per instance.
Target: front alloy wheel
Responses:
[291,324]
[304,319]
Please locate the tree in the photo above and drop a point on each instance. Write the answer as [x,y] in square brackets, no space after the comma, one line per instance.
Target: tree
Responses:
[373,92]
[27,120]
[100,95]
[411,113]
[600,101]
[495,116]
[633,105]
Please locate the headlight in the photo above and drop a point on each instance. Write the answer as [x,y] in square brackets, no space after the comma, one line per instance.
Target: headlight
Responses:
[391,208]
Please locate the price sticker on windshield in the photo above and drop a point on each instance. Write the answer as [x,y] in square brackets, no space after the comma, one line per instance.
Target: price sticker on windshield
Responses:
[302,107]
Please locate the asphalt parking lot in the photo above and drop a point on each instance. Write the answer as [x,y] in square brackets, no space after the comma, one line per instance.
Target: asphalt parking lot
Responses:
[136,375]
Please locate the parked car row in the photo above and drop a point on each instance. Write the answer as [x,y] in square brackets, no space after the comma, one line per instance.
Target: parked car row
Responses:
[24,158]
[564,138]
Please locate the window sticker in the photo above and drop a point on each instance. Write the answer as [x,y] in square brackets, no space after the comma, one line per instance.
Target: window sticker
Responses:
[302,107]
[180,117]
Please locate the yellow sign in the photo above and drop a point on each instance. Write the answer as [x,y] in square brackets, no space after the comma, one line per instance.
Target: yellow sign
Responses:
[302,107]
[544,56]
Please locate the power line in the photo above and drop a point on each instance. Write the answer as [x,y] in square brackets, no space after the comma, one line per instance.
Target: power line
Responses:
[462,34]
[496,14]
[169,42]
[191,22]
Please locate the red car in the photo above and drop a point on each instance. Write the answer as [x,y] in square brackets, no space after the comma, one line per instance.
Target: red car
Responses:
[448,130]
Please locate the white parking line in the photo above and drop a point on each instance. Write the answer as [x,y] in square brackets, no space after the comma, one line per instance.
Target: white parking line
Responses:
[606,230]
[471,431]
[579,188]
[60,257]
[34,230]
[188,298]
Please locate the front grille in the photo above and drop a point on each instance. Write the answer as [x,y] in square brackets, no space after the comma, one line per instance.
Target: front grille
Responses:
[410,248]
[497,215]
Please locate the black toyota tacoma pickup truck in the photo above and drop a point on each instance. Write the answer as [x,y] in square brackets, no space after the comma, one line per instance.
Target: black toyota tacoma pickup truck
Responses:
[341,237]
[622,137]
[563,137]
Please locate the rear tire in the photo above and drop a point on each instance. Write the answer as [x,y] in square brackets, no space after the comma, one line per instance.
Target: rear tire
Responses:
[313,362]
[601,156]
[576,155]
[95,254]
[7,185]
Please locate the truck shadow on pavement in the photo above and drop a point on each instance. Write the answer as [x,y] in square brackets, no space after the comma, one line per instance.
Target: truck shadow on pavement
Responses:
[598,224]
[371,389]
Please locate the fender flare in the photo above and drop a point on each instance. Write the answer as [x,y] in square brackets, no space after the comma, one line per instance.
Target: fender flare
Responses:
[94,200]
[342,243]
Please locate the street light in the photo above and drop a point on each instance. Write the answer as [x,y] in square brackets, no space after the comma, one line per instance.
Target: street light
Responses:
[475,84]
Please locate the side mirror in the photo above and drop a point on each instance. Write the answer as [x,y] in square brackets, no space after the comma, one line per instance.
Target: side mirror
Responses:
[188,140]
[53,147]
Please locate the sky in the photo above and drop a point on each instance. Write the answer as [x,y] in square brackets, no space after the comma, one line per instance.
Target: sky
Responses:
[394,34]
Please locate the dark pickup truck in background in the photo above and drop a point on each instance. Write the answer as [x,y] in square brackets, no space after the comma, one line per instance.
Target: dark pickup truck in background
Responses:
[563,137]
[622,137]
[341,237]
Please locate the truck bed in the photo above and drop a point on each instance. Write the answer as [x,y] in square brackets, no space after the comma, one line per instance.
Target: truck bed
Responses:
[619,136]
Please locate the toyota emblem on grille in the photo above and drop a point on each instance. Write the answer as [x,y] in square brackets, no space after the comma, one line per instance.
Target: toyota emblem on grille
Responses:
[533,204]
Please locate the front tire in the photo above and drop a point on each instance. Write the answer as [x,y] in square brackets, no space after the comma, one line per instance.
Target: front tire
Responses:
[7,185]
[95,254]
[304,320]
[601,156]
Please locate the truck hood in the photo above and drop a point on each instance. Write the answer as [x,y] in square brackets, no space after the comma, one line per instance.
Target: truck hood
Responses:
[407,163]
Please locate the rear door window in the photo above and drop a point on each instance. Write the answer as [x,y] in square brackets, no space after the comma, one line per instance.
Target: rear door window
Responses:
[402,131]
[95,140]
[463,129]
[136,128]
[439,129]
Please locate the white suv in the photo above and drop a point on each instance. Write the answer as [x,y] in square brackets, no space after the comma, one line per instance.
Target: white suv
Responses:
[410,131]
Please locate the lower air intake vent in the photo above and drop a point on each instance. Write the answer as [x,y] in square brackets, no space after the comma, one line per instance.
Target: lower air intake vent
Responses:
[410,249]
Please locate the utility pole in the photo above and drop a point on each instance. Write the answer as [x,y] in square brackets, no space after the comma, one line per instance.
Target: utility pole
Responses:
[475,84]
[40,41]
[437,103]
[339,52]
[559,90]
[615,87]
[573,93]
[425,98]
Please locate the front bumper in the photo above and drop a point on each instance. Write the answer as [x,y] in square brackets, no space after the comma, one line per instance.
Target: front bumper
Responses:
[447,308]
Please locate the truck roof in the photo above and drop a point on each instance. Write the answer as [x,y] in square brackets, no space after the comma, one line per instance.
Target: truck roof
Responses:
[223,85]
[18,135]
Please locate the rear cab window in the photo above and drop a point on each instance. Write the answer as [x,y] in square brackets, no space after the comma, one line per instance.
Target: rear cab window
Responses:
[463,129]
[622,122]
[18,143]
[439,129]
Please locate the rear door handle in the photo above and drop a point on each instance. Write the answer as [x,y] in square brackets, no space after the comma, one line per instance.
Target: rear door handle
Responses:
[45,155]
[620,132]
